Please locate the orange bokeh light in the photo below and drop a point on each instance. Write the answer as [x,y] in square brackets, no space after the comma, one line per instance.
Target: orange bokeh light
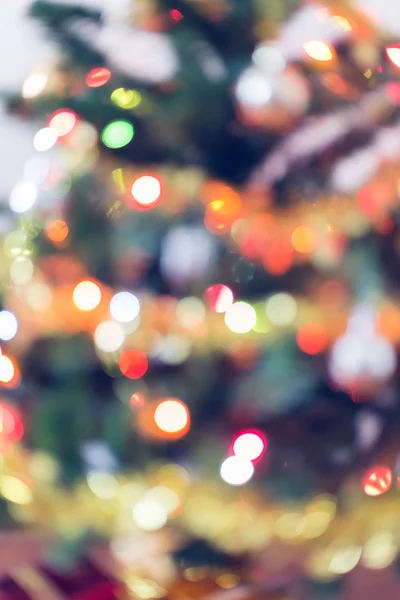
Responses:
[57,231]
[278,259]
[312,338]
[304,239]
[319,51]
[172,417]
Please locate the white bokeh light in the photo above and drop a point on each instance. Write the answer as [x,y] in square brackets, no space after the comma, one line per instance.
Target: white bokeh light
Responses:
[34,85]
[45,139]
[23,197]
[8,325]
[249,446]
[124,307]
[149,514]
[281,309]
[236,470]
[109,336]
[253,89]
[146,190]
[240,317]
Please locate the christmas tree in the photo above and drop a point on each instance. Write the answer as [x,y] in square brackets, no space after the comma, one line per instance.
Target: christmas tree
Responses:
[199,280]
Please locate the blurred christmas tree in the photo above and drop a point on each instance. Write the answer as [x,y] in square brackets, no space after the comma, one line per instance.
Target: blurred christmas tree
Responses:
[210,250]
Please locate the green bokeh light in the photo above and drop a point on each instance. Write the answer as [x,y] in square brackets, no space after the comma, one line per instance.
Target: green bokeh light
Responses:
[117,134]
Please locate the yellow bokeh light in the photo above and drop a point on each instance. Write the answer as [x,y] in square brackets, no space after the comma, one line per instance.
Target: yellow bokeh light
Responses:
[345,559]
[103,485]
[149,515]
[240,317]
[86,295]
[125,98]
[281,309]
[342,22]
[318,50]
[171,416]
[6,369]
[227,581]
[15,490]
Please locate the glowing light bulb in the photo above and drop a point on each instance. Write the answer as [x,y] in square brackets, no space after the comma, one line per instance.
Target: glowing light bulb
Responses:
[124,307]
[146,190]
[249,446]
[171,416]
[240,317]
[63,121]
[318,50]
[86,295]
[109,336]
[23,197]
[45,139]
[8,325]
[236,470]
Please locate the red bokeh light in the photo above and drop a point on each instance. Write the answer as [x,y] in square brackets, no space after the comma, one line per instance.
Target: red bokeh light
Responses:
[176,14]
[133,364]
[377,481]
[137,399]
[11,427]
[98,77]
[312,338]
[218,298]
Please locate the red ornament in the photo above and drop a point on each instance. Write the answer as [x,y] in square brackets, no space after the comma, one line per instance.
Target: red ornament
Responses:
[377,481]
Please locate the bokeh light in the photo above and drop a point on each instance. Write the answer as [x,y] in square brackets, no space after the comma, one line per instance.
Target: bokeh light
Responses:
[11,427]
[8,325]
[127,99]
[146,190]
[15,490]
[172,416]
[63,121]
[304,239]
[124,307]
[250,445]
[109,336]
[34,85]
[393,53]
[117,134]
[236,470]
[312,338]
[98,77]
[57,231]
[377,481]
[240,317]
[190,312]
[149,514]
[23,197]
[253,89]
[7,369]
[137,399]
[319,51]
[133,364]
[219,298]
[281,309]
[21,270]
[45,139]
[86,295]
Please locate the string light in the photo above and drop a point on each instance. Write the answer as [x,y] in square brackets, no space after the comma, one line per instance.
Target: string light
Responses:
[86,295]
